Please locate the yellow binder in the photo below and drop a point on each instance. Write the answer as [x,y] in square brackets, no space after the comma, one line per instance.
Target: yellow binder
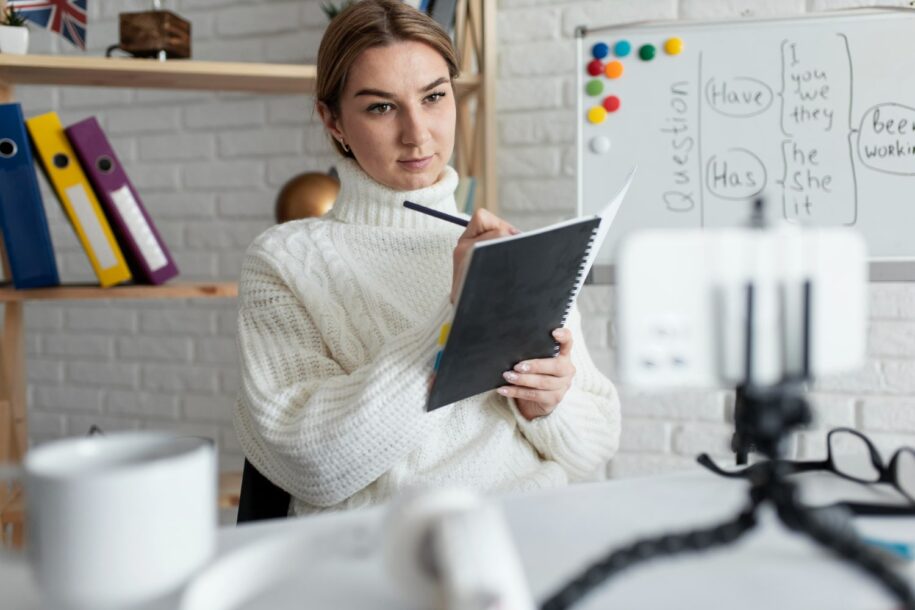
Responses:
[77,198]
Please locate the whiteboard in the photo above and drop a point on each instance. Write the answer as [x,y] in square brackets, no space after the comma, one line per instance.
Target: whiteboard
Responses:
[814,114]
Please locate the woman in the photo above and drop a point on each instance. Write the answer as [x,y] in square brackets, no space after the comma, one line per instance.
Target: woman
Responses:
[339,316]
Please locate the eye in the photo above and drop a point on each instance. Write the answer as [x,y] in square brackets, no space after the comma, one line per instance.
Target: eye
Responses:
[434,97]
[380,108]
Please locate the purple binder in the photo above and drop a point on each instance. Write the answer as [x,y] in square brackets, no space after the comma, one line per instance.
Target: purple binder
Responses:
[146,253]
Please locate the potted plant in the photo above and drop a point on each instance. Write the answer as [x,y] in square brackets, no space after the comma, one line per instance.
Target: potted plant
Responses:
[14,35]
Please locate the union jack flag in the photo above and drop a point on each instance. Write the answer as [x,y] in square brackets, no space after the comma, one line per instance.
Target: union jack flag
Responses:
[66,17]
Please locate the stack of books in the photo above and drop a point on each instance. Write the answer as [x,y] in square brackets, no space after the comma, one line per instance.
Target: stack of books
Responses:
[102,205]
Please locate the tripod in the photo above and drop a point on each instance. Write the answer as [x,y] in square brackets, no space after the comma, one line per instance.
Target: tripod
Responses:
[766,416]
[740,445]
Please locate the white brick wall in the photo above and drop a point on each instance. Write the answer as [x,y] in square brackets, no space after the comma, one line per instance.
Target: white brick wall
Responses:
[209,166]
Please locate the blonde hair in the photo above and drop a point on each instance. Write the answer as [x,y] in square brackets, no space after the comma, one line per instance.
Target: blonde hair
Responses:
[367,24]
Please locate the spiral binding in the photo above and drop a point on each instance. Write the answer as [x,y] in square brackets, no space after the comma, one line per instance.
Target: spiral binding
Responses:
[579,278]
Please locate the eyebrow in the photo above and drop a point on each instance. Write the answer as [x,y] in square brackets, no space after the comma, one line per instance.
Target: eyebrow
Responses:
[380,93]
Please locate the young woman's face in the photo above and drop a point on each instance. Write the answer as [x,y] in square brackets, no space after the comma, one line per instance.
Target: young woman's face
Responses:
[397,114]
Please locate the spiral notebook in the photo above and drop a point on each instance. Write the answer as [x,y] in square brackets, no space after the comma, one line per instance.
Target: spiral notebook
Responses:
[516,290]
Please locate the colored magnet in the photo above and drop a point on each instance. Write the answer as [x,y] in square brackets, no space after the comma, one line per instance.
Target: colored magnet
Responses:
[600,50]
[597,114]
[595,67]
[622,48]
[673,46]
[611,103]
[614,69]
[647,52]
[600,145]
[594,87]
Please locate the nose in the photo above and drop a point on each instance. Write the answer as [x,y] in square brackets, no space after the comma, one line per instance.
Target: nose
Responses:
[414,129]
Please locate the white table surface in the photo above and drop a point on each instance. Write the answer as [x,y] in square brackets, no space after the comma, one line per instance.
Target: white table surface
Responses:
[557,532]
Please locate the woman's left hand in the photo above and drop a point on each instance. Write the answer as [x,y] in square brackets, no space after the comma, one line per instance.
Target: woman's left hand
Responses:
[538,386]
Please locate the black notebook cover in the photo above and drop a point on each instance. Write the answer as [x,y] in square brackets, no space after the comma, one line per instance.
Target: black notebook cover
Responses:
[516,291]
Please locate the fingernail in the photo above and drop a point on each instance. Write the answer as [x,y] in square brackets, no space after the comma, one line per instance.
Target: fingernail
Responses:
[503,391]
[509,376]
[523,367]
[559,333]
[514,231]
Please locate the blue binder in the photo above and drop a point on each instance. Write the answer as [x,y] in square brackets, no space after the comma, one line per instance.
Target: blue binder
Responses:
[22,217]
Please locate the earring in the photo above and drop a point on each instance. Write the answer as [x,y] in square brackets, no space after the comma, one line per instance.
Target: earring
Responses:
[343,144]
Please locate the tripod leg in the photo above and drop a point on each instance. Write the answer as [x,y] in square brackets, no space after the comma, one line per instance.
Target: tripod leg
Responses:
[740,440]
[846,544]
[650,548]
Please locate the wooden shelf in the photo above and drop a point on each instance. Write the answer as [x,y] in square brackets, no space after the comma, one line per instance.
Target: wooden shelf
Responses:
[79,292]
[475,22]
[171,74]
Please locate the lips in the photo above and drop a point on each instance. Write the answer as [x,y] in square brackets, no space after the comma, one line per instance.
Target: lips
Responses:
[416,164]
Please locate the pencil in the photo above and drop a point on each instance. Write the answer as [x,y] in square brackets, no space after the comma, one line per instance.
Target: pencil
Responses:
[421,208]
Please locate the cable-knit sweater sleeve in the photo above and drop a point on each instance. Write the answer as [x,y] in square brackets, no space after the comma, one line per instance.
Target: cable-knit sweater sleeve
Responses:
[582,433]
[319,431]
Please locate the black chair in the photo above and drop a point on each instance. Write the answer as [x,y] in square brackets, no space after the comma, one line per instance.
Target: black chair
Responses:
[259,498]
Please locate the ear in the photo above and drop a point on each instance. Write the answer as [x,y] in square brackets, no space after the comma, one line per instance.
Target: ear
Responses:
[331,122]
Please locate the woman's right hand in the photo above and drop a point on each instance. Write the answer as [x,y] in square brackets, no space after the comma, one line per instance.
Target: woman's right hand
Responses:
[483,225]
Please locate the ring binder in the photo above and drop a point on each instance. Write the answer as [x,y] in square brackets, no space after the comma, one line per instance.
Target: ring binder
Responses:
[22,216]
[78,199]
[147,255]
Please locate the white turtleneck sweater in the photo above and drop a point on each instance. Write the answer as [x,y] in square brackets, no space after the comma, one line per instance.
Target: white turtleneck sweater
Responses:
[338,325]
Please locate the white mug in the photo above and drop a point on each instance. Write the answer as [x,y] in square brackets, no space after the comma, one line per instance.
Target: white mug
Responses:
[117,520]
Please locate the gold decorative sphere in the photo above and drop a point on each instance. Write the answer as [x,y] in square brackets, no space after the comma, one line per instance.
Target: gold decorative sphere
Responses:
[306,195]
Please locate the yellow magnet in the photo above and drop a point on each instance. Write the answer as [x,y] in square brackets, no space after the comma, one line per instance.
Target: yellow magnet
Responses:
[597,114]
[673,46]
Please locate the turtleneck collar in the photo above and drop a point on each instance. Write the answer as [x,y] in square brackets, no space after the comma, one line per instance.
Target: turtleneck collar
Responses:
[364,201]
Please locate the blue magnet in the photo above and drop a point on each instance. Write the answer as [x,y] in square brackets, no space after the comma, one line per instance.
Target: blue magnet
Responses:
[600,50]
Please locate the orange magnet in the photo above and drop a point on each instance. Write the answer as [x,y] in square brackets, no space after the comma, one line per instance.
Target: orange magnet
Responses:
[614,69]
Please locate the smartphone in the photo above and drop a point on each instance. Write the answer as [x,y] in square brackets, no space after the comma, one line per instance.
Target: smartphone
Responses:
[721,307]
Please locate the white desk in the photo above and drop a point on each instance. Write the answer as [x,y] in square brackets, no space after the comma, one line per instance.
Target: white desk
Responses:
[558,531]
